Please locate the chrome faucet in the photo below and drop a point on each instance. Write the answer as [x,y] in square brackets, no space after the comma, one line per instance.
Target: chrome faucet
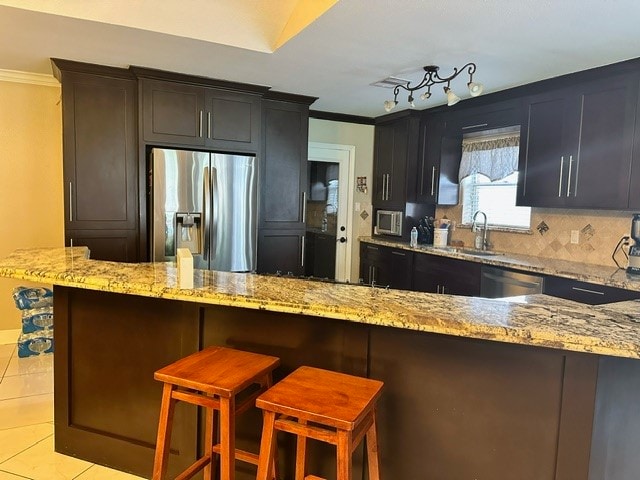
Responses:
[474,228]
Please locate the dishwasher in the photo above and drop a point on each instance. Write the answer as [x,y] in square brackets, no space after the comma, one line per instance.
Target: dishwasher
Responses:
[499,283]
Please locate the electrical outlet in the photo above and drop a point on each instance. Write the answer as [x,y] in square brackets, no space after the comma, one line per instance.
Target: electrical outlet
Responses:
[575,236]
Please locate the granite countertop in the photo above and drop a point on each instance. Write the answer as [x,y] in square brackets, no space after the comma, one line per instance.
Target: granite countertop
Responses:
[599,274]
[537,320]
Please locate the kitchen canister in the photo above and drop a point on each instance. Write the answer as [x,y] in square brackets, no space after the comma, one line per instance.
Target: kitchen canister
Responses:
[440,236]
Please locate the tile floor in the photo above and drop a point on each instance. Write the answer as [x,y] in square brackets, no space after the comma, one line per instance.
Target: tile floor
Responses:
[26,422]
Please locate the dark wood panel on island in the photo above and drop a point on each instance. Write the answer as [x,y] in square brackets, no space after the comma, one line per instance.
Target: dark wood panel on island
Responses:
[452,406]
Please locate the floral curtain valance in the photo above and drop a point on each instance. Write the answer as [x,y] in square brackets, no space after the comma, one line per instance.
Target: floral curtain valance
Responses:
[495,158]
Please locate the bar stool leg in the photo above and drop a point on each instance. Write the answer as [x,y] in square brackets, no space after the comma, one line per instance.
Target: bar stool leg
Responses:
[211,431]
[164,432]
[227,438]
[344,455]
[301,454]
[267,446]
[372,450]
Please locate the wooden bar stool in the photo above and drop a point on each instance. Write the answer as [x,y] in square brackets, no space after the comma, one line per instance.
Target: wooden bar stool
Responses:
[211,378]
[327,406]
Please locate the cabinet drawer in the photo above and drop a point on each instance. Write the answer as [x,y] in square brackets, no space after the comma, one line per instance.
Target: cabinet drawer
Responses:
[584,292]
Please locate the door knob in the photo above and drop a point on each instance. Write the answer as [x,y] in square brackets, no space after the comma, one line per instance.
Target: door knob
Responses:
[342,239]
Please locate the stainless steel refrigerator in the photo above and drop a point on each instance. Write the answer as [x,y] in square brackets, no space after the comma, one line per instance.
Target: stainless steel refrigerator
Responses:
[206,202]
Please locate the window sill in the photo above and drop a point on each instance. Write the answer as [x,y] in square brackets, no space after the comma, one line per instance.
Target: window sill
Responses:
[500,228]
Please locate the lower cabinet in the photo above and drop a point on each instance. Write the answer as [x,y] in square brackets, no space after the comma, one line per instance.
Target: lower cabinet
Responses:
[281,251]
[584,292]
[435,274]
[110,245]
[385,266]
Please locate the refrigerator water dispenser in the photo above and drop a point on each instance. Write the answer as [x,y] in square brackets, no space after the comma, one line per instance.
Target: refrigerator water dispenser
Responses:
[189,232]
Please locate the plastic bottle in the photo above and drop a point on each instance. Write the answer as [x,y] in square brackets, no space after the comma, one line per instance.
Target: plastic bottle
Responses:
[414,237]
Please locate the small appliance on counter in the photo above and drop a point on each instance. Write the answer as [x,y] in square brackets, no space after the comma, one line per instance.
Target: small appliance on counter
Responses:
[632,242]
[388,222]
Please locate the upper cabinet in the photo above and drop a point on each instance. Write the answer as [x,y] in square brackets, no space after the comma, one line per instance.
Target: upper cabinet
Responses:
[396,144]
[577,145]
[192,115]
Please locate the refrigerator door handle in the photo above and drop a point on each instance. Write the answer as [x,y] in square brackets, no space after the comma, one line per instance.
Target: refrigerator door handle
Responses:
[206,212]
[213,219]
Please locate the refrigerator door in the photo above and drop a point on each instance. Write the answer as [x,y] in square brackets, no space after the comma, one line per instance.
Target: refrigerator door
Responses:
[178,203]
[234,214]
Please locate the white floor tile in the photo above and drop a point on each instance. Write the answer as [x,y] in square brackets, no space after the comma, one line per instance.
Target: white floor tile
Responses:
[15,440]
[11,476]
[9,336]
[26,385]
[98,472]
[40,462]
[27,365]
[19,412]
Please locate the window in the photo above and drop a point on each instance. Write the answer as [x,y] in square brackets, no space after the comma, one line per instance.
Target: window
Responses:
[489,177]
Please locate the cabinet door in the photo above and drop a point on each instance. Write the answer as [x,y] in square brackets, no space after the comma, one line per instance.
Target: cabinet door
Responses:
[400,269]
[599,174]
[284,167]
[100,152]
[390,164]
[324,256]
[232,120]
[111,245]
[172,112]
[435,274]
[281,251]
[375,264]
[437,181]
[543,163]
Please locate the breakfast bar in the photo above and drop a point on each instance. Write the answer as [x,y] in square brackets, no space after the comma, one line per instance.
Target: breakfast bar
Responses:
[530,388]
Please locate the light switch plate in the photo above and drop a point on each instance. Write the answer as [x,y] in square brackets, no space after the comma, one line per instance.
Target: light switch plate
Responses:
[575,236]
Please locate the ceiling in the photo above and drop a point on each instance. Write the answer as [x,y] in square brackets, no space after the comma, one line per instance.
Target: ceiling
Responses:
[339,54]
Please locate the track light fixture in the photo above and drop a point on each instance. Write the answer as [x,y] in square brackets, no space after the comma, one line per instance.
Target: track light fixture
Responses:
[431,77]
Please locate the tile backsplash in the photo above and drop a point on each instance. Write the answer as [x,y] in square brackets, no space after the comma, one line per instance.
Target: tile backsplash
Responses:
[550,235]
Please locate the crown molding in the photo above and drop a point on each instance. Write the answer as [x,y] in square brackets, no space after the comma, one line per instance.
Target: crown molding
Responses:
[26,77]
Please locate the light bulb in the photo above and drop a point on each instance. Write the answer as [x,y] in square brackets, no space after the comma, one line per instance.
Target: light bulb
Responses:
[410,100]
[425,95]
[452,98]
[475,89]
[389,105]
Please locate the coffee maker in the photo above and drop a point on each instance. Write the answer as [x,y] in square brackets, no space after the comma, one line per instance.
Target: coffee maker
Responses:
[633,265]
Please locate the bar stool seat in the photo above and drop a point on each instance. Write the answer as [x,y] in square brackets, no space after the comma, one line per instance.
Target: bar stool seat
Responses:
[211,378]
[327,406]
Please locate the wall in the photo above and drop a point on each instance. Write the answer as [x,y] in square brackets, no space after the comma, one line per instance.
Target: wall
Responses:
[31,197]
[361,137]
[550,234]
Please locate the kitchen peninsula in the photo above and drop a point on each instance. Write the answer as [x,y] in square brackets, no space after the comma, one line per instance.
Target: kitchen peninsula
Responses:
[541,388]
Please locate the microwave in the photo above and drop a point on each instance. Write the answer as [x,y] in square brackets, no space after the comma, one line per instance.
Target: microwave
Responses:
[389,222]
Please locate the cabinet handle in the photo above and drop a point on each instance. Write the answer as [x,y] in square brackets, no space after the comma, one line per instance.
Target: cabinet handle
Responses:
[208,124]
[388,182]
[384,186]
[560,179]
[399,253]
[369,247]
[475,126]
[200,125]
[437,288]
[302,251]
[433,180]
[569,176]
[586,290]
[442,290]
[304,207]
[70,202]
[373,275]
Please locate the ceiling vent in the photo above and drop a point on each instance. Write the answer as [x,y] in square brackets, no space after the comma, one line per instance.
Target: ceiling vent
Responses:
[390,82]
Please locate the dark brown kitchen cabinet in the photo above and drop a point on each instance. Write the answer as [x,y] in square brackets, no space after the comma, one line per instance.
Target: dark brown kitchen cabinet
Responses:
[436,274]
[395,158]
[281,251]
[385,266]
[193,115]
[585,292]
[284,181]
[577,145]
[438,162]
[100,159]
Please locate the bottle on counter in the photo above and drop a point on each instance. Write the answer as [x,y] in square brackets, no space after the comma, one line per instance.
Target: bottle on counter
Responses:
[414,237]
